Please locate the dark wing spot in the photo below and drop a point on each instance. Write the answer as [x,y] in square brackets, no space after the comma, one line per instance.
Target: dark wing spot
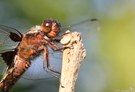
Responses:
[15,37]
[8,57]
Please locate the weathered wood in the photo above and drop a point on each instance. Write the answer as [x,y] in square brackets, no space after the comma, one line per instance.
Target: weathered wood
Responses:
[72,59]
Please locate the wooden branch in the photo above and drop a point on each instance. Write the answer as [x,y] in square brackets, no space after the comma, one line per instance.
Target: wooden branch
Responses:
[73,56]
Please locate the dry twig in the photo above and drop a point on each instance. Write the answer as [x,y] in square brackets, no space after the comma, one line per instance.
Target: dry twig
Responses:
[72,59]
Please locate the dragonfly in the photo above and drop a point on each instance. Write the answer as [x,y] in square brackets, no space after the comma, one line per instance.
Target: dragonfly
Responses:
[21,52]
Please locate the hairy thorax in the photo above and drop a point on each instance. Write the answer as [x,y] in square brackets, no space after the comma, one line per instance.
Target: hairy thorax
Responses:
[30,45]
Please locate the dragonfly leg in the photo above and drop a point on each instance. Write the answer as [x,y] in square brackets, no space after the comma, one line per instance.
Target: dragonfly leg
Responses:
[63,48]
[57,40]
[55,47]
[47,61]
[46,57]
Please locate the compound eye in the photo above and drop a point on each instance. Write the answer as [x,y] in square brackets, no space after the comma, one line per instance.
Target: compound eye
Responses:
[47,25]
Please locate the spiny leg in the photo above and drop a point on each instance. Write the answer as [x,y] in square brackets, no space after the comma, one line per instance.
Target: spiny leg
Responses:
[55,47]
[47,61]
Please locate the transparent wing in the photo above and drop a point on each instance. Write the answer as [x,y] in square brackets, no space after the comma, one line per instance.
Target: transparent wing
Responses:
[89,30]
[36,70]
[9,39]
[2,67]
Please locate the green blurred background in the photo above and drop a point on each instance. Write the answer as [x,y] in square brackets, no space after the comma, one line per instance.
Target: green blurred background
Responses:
[111,64]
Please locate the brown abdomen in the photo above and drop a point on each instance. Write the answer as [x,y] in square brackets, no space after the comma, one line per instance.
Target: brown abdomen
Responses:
[13,73]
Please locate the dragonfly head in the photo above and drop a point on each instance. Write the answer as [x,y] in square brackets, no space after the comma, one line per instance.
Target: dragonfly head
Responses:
[51,28]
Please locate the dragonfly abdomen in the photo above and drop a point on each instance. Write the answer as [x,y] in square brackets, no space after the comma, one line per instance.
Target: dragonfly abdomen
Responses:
[13,73]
